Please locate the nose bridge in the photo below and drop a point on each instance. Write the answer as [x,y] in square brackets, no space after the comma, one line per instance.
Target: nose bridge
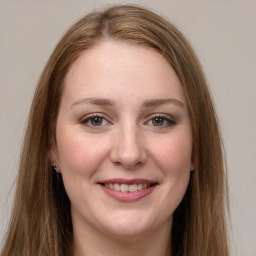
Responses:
[128,149]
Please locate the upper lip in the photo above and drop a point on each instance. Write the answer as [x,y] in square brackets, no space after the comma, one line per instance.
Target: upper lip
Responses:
[127,181]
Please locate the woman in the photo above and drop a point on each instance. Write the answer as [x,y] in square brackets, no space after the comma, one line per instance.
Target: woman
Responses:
[122,153]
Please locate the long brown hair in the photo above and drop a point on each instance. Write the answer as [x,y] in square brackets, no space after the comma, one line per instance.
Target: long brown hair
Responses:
[40,221]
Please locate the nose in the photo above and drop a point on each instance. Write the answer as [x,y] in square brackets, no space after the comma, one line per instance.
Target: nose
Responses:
[128,148]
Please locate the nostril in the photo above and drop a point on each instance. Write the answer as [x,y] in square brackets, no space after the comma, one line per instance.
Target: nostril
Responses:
[128,165]
[128,152]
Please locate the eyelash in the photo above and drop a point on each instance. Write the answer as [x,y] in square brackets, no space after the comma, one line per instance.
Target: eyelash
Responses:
[90,118]
[169,121]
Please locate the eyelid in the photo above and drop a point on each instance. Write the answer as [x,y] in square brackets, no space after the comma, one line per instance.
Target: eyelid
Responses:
[171,121]
[167,118]
[87,117]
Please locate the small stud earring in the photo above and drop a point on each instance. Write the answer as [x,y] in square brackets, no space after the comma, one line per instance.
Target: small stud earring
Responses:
[54,166]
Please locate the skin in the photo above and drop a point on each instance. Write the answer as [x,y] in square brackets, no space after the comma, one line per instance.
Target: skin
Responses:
[127,143]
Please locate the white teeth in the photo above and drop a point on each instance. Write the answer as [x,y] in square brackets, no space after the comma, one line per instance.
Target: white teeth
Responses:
[116,187]
[126,187]
[133,188]
[140,186]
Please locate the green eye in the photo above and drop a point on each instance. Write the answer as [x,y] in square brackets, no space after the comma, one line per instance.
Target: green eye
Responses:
[96,121]
[158,121]
[161,121]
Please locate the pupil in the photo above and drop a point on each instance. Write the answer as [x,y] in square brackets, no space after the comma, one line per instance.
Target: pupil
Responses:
[158,121]
[96,121]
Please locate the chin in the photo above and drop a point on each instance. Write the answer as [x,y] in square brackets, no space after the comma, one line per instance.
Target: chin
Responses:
[129,226]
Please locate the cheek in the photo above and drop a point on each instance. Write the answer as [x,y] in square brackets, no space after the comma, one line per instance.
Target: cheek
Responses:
[173,154]
[80,154]
[80,157]
[173,157]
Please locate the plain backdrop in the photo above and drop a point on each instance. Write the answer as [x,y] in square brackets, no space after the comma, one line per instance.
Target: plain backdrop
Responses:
[223,33]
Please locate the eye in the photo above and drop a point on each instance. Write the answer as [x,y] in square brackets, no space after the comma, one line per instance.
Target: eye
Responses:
[161,121]
[95,120]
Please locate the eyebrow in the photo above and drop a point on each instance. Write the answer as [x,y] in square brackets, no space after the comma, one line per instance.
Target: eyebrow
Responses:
[94,101]
[158,102]
[109,103]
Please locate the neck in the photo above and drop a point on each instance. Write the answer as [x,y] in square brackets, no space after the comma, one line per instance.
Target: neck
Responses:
[88,242]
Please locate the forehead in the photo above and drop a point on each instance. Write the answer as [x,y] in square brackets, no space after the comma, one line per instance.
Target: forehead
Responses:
[116,68]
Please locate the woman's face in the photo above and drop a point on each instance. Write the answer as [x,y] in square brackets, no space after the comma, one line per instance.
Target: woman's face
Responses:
[123,140]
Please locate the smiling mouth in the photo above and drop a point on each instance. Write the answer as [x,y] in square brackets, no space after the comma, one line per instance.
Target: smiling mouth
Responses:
[127,188]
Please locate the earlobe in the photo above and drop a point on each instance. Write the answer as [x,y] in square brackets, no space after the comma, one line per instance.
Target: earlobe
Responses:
[53,154]
[192,167]
[53,157]
[55,167]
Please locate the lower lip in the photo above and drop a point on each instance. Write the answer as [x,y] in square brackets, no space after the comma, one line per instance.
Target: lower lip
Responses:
[128,196]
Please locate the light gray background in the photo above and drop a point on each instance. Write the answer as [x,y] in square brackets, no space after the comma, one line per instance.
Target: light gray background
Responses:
[223,34]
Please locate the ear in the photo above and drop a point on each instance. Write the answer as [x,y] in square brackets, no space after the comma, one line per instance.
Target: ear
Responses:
[53,156]
[53,152]
[192,166]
